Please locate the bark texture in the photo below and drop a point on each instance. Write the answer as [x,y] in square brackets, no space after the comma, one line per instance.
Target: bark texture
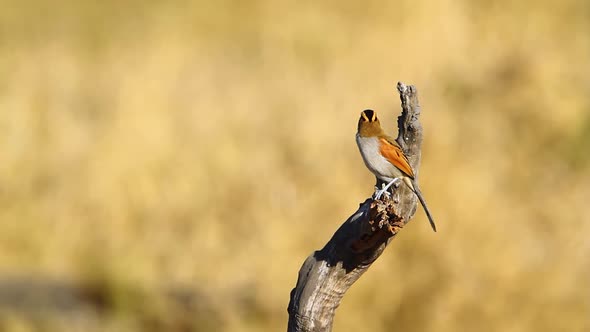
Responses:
[327,274]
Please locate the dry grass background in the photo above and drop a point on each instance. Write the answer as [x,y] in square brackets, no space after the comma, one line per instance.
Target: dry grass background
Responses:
[167,166]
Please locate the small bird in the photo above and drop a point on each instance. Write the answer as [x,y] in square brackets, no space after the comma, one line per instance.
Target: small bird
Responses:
[385,158]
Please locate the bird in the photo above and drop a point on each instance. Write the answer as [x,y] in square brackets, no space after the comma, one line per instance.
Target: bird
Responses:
[385,158]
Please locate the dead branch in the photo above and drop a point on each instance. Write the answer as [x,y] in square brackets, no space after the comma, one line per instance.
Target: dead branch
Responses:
[327,274]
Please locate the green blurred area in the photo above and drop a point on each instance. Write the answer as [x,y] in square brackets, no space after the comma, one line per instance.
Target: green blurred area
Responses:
[167,166]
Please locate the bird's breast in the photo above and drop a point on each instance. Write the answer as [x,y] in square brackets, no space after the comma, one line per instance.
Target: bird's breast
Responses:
[375,162]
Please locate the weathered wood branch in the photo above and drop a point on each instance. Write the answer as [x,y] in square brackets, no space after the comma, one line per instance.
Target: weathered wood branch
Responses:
[327,274]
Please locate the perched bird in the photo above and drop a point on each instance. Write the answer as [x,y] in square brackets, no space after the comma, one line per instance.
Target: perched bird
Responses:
[385,158]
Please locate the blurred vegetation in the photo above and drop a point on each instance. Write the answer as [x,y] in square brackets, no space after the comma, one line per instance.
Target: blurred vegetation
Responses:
[167,166]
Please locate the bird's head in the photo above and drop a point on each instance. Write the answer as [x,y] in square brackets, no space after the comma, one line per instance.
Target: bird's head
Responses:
[369,125]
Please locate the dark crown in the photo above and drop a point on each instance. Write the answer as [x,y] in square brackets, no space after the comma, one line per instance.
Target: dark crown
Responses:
[369,115]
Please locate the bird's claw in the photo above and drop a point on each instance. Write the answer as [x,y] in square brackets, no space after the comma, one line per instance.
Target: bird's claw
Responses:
[383,190]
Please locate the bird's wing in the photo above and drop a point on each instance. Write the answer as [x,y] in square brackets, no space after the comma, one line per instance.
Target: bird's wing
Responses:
[394,154]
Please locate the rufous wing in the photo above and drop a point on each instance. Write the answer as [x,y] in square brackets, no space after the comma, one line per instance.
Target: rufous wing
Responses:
[394,154]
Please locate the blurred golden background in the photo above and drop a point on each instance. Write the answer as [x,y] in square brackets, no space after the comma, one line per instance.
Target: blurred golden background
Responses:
[167,166]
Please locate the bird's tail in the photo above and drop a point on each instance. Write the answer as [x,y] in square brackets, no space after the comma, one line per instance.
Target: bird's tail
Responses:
[414,186]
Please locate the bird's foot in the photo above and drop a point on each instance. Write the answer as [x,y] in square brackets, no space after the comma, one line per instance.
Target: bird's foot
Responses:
[384,189]
[380,192]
